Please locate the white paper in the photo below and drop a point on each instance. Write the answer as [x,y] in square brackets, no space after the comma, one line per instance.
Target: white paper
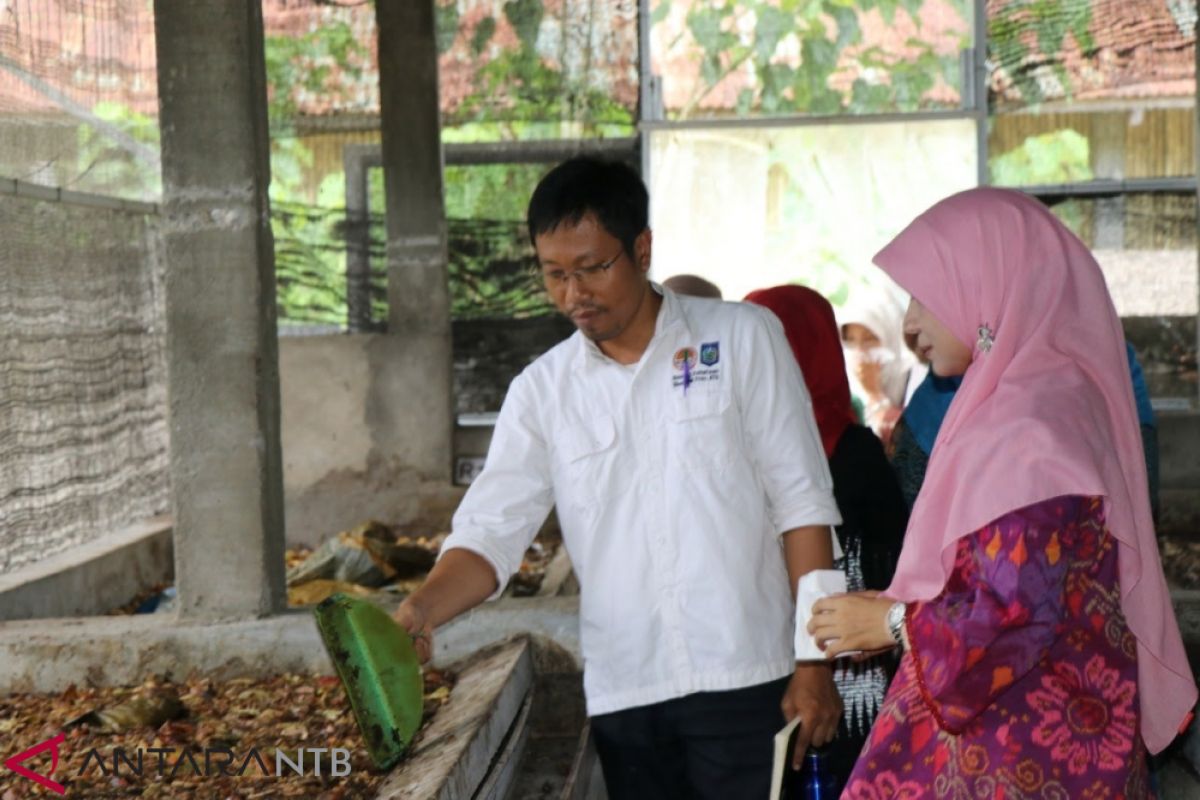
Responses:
[811,588]
[783,757]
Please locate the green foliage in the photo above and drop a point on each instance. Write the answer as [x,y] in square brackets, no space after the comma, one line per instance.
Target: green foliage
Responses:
[523,92]
[760,36]
[310,272]
[1057,157]
[1050,21]
[519,86]
[306,64]
[484,32]
[310,261]
[517,94]
[490,265]
[490,191]
[446,25]
[109,168]
[525,16]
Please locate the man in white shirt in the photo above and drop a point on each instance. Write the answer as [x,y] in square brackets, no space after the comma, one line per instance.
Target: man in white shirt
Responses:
[676,438]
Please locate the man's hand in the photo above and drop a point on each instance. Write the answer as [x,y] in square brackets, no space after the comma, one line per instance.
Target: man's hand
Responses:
[412,617]
[812,696]
[459,581]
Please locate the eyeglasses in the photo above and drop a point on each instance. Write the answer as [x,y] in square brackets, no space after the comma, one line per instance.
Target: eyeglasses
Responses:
[584,276]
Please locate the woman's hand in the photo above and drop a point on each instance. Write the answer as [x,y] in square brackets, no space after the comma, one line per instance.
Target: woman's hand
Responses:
[848,622]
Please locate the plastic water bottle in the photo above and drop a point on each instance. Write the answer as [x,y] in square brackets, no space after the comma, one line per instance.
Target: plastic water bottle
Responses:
[817,782]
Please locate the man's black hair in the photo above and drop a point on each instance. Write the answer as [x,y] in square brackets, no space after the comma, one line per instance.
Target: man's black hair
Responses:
[611,190]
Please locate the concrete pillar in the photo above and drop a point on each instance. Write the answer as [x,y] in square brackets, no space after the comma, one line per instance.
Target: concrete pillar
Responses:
[418,296]
[223,364]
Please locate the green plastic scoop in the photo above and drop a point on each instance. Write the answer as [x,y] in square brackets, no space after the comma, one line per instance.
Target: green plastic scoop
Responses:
[378,667]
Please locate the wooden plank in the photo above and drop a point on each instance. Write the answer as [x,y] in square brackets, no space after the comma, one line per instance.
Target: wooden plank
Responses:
[500,778]
[586,781]
[453,756]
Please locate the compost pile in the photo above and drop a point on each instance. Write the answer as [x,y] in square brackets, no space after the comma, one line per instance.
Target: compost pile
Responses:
[1181,559]
[375,557]
[249,718]
[372,560]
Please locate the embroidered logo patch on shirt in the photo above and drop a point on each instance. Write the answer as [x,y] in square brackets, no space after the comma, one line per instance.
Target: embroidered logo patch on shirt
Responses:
[685,359]
[710,353]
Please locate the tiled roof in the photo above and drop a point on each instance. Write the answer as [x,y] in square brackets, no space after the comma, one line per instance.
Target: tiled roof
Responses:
[1138,49]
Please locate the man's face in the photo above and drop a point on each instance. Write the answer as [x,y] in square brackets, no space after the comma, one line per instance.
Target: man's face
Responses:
[591,279]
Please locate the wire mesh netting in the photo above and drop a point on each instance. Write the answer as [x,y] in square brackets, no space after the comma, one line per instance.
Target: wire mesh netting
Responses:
[538,61]
[1089,50]
[768,57]
[508,70]
[490,268]
[83,433]
[1084,90]
[78,96]
[1146,245]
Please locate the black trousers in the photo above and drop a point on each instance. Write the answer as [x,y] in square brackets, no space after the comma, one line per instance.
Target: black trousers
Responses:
[708,746]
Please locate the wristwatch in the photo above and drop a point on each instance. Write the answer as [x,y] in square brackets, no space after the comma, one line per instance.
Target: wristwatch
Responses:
[895,622]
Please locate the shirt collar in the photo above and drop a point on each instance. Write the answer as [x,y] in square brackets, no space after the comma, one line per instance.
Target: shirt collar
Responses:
[671,318]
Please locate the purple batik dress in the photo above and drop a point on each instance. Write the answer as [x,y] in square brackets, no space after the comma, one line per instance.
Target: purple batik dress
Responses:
[1021,678]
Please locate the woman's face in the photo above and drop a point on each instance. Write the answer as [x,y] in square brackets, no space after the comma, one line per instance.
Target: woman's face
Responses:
[946,355]
[859,337]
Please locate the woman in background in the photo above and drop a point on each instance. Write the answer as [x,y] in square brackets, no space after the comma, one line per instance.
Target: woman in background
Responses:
[872,508]
[881,368]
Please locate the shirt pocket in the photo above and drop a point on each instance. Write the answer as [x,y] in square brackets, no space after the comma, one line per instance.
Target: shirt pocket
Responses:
[587,452]
[704,430]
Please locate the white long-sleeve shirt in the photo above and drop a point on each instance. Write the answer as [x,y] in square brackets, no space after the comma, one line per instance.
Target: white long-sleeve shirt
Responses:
[673,479]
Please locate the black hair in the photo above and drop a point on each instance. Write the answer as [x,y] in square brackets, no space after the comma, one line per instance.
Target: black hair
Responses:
[611,190]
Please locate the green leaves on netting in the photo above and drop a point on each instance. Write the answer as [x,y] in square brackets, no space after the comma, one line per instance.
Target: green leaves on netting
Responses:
[808,56]
[484,31]
[310,263]
[115,170]
[708,27]
[490,268]
[1026,40]
[519,85]
[660,11]
[445,24]
[524,66]
[526,18]
[1061,156]
[492,273]
[308,63]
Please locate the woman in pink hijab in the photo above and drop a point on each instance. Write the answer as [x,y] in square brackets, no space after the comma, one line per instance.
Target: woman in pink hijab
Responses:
[1042,656]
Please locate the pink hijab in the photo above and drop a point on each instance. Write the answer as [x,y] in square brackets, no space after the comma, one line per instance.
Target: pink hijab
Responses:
[1045,410]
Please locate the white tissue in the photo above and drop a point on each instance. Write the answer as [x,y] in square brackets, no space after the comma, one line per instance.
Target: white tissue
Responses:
[812,587]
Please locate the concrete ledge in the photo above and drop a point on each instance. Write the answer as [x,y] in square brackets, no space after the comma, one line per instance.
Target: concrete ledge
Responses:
[1179,449]
[49,655]
[552,621]
[1187,612]
[92,578]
